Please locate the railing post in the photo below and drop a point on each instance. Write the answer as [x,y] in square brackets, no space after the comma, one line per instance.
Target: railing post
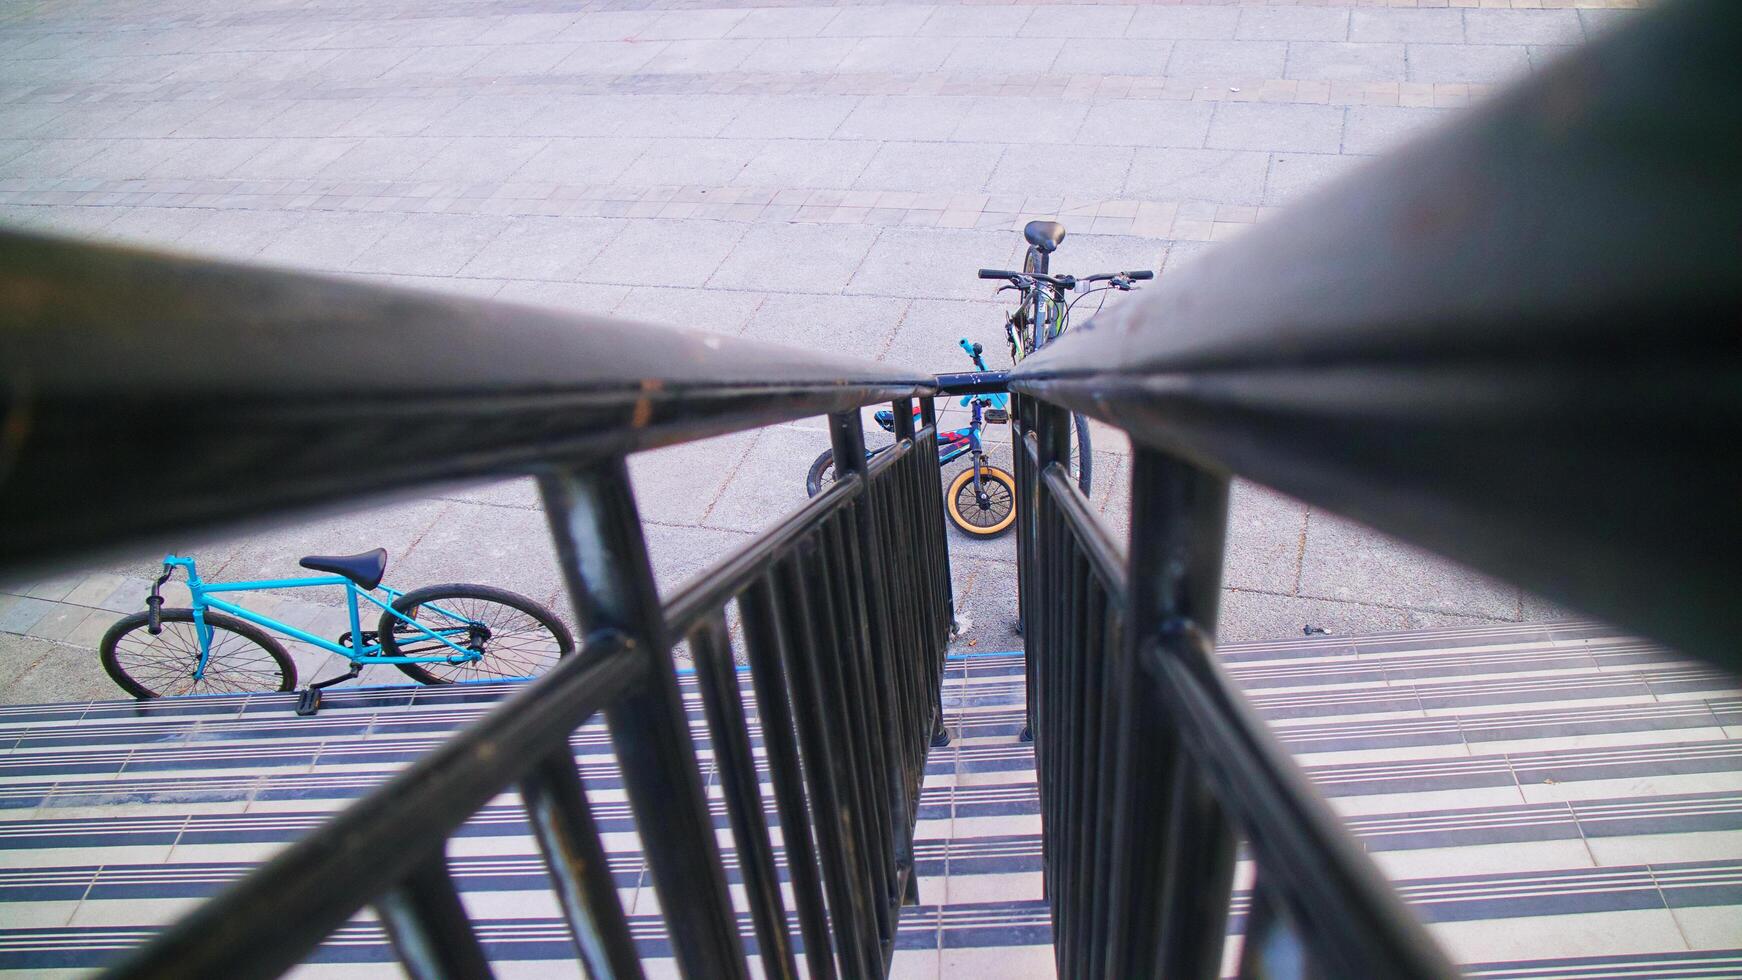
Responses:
[597,530]
[1027,495]
[933,482]
[1172,889]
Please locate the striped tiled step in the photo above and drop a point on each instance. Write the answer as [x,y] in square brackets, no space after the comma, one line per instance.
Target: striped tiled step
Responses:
[1557,801]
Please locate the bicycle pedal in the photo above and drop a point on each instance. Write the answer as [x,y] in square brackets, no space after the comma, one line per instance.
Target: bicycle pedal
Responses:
[309,702]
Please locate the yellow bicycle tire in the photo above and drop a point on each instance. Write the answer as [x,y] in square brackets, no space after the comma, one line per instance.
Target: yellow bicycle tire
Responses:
[960,520]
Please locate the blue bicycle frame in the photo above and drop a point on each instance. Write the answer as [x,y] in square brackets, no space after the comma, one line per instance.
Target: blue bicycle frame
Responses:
[358,653]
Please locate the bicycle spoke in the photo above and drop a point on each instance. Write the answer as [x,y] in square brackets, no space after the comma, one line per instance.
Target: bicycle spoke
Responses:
[164,664]
[516,645]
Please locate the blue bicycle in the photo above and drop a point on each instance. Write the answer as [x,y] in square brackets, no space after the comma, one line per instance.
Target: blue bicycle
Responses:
[440,634]
[981,499]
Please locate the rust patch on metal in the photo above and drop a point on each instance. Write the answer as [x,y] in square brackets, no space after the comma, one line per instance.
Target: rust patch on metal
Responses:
[643,413]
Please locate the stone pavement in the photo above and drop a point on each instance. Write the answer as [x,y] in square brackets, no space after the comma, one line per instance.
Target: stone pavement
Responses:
[815,173]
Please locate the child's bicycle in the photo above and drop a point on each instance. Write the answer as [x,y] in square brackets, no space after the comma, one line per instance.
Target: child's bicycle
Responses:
[981,499]
[439,634]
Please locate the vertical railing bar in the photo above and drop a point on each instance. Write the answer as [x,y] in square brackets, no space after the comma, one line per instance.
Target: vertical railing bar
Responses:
[842,875]
[1263,921]
[1111,720]
[1085,790]
[1024,552]
[928,410]
[1198,876]
[764,645]
[723,703]
[908,574]
[429,928]
[1070,778]
[599,544]
[568,837]
[869,609]
[848,677]
[1178,530]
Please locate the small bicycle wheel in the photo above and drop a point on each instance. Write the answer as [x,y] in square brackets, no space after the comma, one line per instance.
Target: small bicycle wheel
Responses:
[1082,454]
[822,473]
[517,637]
[996,516]
[244,658]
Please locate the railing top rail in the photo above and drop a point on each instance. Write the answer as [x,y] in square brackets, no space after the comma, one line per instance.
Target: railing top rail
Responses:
[1513,341]
[147,395]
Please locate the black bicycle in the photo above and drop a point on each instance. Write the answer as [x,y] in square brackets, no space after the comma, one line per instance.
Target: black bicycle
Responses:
[981,500]
[1042,302]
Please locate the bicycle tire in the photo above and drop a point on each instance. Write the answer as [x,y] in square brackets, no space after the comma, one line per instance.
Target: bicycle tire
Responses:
[960,489]
[223,675]
[1085,454]
[823,465]
[528,657]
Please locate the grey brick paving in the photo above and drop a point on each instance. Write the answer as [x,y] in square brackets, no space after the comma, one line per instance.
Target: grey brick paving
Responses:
[814,173]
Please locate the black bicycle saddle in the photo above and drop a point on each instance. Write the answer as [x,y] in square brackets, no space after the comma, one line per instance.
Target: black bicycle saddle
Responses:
[365,569]
[1044,235]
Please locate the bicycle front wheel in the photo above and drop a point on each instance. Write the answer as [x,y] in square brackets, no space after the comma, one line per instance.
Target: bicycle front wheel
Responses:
[1082,454]
[516,636]
[243,657]
[982,518]
[822,473]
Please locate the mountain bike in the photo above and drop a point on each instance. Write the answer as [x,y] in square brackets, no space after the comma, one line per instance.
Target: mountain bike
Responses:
[439,634]
[1042,313]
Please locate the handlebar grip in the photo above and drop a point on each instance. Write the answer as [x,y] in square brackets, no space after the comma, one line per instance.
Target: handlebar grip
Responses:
[1141,274]
[997,274]
[154,614]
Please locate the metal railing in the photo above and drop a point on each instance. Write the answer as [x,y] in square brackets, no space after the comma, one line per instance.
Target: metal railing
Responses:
[1513,342]
[149,396]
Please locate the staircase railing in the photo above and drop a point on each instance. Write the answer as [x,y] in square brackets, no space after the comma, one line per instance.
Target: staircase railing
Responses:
[147,397]
[1513,342]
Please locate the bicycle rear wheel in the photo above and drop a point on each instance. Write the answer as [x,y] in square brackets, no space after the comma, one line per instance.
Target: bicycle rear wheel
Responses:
[243,659]
[518,637]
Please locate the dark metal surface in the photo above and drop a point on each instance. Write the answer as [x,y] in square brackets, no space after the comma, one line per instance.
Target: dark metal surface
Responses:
[729,734]
[568,837]
[1353,924]
[429,928]
[147,396]
[1513,342]
[846,669]
[603,557]
[1147,774]
[267,922]
[972,382]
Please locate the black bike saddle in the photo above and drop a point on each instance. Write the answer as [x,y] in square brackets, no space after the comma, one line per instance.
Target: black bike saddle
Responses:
[1044,235]
[365,569]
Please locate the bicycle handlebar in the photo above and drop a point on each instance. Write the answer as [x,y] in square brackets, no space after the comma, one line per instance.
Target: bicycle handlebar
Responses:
[154,603]
[1063,282]
[1104,276]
